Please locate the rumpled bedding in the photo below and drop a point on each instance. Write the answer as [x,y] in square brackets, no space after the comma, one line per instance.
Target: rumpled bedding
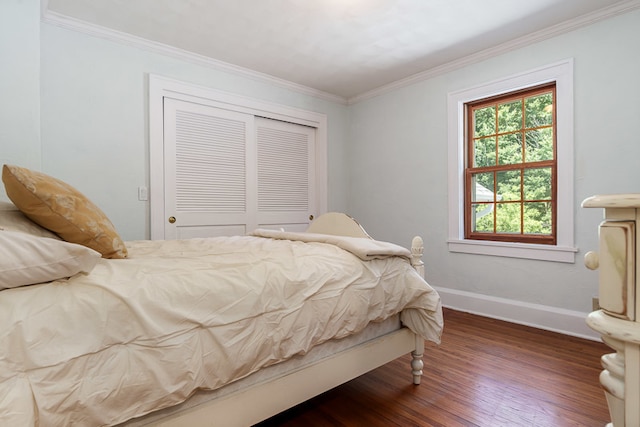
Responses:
[140,334]
[364,248]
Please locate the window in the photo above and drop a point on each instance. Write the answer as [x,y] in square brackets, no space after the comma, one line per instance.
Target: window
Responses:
[510,175]
[520,199]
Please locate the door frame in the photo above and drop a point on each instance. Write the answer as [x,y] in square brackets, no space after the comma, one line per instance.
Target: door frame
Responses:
[162,87]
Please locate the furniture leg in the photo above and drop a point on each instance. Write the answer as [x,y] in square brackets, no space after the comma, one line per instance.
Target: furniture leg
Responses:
[612,380]
[416,362]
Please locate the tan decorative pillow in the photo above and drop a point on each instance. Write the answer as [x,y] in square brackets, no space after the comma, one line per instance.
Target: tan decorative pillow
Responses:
[57,206]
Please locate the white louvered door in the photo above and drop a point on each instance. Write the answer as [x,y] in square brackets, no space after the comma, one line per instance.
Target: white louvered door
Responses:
[227,172]
[206,168]
[285,173]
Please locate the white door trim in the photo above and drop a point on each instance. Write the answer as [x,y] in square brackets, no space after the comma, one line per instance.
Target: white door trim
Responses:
[163,87]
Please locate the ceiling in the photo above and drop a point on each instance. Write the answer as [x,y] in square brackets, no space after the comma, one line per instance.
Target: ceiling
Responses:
[341,47]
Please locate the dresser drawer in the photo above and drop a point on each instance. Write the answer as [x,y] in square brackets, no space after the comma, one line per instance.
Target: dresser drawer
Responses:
[617,272]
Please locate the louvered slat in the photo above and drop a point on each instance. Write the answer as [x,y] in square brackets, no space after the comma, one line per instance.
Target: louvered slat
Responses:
[283,170]
[210,163]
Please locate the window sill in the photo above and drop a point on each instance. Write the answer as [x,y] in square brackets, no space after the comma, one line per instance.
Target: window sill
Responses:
[515,250]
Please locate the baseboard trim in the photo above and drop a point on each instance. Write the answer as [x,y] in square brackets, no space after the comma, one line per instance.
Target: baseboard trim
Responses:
[554,319]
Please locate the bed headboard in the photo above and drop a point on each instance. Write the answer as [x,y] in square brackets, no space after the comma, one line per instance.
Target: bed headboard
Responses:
[341,224]
[337,224]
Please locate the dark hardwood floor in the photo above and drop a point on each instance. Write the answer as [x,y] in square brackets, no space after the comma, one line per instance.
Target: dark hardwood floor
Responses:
[486,372]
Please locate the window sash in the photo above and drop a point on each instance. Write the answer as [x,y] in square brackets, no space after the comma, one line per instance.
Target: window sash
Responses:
[471,170]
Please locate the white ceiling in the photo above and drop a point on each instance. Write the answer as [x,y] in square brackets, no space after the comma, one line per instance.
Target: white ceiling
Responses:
[341,47]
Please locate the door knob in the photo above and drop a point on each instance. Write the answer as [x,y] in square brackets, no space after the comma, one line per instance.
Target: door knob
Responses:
[172,219]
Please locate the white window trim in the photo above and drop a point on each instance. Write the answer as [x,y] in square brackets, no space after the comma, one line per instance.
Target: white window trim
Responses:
[564,250]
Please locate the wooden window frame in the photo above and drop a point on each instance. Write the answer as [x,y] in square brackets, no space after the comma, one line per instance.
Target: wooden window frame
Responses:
[564,250]
[470,170]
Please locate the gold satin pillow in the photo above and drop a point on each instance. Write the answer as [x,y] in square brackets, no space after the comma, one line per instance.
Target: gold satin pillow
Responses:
[57,206]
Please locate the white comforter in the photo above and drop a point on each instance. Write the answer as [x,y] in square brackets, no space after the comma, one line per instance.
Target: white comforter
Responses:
[144,333]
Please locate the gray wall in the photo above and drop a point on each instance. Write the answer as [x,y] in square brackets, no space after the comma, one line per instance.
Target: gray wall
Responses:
[399,161]
[94,119]
[20,83]
[76,108]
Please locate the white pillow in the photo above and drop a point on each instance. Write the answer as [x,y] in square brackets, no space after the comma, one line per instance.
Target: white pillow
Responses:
[27,259]
[13,220]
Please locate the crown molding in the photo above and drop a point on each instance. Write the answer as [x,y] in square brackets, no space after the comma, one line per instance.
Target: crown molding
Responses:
[69,23]
[547,33]
[94,30]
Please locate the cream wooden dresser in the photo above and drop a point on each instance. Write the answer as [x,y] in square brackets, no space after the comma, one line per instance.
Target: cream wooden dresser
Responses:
[618,320]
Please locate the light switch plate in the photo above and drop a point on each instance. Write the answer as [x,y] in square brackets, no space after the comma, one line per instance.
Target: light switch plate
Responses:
[143,193]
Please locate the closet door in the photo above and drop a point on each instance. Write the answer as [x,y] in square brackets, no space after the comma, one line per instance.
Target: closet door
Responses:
[285,174]
[208,169]
[228,172]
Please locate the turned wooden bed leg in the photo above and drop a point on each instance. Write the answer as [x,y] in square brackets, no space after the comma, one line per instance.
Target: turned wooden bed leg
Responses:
[416,362]
[417,249]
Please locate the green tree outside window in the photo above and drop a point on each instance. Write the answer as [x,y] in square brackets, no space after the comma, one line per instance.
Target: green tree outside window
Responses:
[512,166]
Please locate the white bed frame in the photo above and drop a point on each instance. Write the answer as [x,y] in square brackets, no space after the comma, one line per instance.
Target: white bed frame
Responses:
[265,399]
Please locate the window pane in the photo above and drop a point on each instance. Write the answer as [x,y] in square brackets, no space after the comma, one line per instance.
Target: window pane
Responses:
[482,217]
[485,152]
[511,167]
[508,185]
[483,183]
[510,149]
[539,145]
[537,218]
[539,110]
[537,184]
[484,121]
[510,116]
[508,218]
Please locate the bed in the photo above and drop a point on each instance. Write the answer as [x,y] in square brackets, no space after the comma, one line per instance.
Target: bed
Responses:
[216,331]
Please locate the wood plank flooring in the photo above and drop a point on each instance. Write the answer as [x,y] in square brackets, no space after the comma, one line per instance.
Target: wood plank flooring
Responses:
[486,372]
